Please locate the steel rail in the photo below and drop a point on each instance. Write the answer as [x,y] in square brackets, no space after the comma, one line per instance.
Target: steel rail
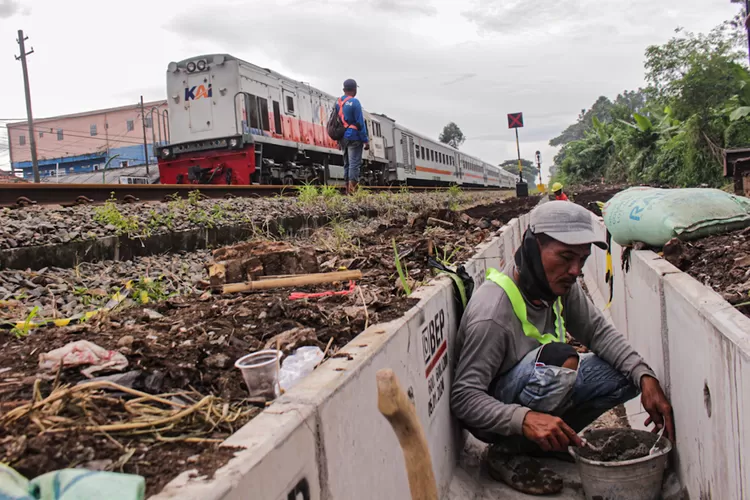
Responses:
[22,194]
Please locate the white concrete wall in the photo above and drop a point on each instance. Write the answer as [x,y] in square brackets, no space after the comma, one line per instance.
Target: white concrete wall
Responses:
[699,346]
[326,439]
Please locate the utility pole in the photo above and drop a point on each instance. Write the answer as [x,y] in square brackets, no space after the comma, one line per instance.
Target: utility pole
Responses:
[145,144]
[539,166]
[30,117]
[747,24]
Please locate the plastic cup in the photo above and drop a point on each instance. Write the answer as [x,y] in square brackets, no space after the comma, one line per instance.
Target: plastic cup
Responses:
[261,373]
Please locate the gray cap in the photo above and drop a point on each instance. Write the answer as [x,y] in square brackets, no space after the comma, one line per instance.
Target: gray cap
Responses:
[567,223]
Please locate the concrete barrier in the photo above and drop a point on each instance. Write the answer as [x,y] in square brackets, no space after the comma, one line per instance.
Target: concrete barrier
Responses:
[699,346]
[326,439]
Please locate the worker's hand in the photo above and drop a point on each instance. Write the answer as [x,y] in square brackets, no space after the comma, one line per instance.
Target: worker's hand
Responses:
[550,433]
[657,405]
[367,146]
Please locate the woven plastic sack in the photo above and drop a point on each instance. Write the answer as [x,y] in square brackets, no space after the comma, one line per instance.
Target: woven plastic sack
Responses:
[655,216]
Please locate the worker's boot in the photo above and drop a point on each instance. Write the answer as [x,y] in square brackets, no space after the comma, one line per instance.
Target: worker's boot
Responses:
[352,187]
[521,472]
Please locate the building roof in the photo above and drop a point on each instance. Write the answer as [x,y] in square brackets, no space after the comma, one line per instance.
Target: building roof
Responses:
[149,104]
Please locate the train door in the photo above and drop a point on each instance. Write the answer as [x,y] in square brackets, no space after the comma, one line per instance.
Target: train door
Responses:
[407,151]
[291,121]
[305,116]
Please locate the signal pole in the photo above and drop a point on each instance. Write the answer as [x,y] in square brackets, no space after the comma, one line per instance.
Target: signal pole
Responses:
[29,116]
[145,144]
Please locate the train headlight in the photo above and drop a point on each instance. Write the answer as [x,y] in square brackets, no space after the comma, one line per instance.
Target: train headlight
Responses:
[201,65]
[233,143]
[191,66]
[166,152]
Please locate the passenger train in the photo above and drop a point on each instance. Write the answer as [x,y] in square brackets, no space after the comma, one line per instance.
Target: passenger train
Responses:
[232,122]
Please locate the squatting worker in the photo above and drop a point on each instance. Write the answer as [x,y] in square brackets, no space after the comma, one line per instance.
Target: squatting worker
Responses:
[557,190]
[518,385]
[355,138]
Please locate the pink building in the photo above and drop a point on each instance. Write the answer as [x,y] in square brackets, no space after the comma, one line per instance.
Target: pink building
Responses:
[84,142]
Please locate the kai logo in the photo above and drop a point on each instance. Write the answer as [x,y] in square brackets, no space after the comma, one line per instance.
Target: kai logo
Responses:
[198,92]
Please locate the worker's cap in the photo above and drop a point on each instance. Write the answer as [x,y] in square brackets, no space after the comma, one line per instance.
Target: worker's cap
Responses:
[567,223]
[557,186]
[350,84]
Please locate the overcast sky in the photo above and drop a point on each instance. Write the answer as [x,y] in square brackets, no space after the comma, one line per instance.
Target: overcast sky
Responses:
[423,62]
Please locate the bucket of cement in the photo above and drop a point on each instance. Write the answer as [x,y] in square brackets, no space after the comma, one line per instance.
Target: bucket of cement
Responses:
[261,373]
[618,465]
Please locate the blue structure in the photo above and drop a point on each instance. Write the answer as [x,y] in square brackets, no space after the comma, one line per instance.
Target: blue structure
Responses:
[129,156]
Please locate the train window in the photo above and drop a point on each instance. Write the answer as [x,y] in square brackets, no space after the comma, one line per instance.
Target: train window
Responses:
[423,156]
[290,104]
[264,113]
[253,112]
[417,151]
[277,117]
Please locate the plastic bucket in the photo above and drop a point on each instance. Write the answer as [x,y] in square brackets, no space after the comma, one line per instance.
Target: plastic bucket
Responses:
[637,479]
[261,373]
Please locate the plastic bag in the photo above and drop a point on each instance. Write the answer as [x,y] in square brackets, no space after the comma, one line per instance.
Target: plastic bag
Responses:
[299,365]
[655,216]
[80,353]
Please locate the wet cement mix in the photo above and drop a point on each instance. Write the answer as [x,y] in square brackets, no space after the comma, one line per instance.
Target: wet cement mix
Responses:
[179,395]
[617,445]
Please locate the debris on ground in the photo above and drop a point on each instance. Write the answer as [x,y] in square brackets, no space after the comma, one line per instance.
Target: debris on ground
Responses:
[82,353]
[181,339]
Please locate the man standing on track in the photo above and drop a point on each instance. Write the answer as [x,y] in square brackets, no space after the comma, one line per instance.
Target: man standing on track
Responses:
[355,139]
[518,385]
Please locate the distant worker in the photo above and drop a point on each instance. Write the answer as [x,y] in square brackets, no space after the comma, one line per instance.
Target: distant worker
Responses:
[518,384]
[355,138]
[557,189]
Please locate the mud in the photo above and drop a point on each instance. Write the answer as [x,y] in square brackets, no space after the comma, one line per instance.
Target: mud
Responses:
[504,211]
[617,445]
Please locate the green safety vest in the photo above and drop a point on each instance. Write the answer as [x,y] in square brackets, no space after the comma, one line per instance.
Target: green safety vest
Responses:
[519,307]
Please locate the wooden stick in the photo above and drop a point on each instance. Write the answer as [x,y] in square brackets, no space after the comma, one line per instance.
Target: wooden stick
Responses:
[328,346]
[396,407]
[299,280]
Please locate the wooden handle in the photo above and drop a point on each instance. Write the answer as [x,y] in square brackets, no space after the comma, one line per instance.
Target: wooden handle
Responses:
[298,280]
[396,407]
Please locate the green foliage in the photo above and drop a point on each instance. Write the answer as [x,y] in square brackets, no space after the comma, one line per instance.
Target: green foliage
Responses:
[455,197]
[530,172]
[401,271]
[145,290]
[452,135]
[109,214]
[24,328]
[673,132]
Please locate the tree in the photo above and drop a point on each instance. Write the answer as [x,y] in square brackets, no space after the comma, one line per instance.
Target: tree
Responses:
[530,172]
[452,135]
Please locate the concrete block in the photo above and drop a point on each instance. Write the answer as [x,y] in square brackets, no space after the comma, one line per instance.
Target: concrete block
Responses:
[509,244]
[705,369]
[645,325]
[421,354]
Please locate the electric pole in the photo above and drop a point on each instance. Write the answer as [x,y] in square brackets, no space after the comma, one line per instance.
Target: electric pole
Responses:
[32,140]
[145,144]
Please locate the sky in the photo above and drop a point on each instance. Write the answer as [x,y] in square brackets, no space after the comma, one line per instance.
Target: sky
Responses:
[424,63]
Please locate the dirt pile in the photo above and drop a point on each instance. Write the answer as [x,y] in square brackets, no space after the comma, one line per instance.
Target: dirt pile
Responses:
[503,211]
[721,262]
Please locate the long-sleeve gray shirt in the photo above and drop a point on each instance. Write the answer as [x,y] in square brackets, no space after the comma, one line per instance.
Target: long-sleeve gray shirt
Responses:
[491,341]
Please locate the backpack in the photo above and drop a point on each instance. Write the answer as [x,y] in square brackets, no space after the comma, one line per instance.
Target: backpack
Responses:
[336,124]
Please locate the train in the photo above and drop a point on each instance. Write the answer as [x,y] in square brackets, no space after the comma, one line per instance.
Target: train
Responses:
[232,122]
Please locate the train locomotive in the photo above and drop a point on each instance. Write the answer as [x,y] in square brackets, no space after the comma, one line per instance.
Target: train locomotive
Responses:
[232,122]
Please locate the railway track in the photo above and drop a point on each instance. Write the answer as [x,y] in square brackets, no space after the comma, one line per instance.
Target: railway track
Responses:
[19,195]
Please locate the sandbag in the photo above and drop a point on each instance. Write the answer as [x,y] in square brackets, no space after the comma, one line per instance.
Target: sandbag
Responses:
[655,216]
